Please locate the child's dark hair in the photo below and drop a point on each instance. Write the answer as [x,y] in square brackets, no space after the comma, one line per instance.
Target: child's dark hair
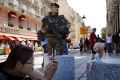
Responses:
[19,53]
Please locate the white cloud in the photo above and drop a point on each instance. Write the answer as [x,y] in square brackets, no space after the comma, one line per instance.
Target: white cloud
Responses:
[94,10]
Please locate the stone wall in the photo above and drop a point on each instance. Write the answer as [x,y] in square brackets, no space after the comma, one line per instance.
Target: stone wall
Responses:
[104,71]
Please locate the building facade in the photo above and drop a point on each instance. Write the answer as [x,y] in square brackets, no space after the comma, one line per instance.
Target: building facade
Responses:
[113,16]
[20,21]
[73,17]
[20,18]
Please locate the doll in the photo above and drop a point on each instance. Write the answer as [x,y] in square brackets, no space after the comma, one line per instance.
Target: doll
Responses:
[99,49]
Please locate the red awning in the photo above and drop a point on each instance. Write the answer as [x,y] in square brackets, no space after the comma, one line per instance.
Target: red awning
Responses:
[9,38]
[3,37]
[19,37]
[29,38]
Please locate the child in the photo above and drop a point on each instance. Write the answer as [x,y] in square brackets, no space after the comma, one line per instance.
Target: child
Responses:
[99,49]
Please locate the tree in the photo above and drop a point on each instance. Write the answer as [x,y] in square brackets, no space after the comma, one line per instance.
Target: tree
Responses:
[103,33]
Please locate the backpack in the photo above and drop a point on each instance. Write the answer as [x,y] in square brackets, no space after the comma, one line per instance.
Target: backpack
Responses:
[40,36]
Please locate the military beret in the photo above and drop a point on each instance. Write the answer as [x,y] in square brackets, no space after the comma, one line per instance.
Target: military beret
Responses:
[55,4]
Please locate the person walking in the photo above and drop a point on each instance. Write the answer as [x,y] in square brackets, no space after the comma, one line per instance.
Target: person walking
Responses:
[109,44]
[56,28]
[81,45]
[115,40]
[92,40]
[86,45]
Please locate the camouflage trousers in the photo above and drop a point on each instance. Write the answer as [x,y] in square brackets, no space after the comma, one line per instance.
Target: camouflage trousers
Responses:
[55,44]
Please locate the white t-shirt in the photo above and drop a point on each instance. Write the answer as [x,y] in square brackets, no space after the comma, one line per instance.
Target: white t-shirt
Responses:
[109,39]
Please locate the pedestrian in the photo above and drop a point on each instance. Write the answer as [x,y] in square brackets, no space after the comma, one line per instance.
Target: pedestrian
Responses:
[23,43]
[109,44]
[56,28]
[19,64]
[99,49]
[81,45]
[35,46]
[87,45]
[98,39]
[65,49]
[92,40]
[6,49]
[115,40]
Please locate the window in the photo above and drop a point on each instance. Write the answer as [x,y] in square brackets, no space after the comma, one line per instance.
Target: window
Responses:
[11,15]
[36,27]
[10,21]
[28,25]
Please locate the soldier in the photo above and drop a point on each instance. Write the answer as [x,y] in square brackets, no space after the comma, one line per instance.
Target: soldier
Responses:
[56,28]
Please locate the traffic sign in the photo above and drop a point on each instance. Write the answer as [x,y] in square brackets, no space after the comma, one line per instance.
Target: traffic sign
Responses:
[83,30]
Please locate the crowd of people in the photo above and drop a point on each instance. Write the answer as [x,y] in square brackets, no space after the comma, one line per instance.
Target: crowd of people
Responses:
[7,46]
[112,43]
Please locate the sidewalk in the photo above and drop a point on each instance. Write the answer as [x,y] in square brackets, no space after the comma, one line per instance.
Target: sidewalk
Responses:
[114,59]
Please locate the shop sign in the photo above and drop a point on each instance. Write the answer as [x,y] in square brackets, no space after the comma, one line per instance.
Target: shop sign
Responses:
[9,30]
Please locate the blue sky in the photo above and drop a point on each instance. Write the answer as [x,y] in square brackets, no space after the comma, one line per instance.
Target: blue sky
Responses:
[94,10]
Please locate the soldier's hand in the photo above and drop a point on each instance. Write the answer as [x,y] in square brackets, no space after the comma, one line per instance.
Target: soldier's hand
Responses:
[50,70]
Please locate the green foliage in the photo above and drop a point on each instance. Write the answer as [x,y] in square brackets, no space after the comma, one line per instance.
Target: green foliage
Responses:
[103,33]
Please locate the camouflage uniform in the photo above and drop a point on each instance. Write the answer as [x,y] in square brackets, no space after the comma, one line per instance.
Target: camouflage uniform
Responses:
[55,38]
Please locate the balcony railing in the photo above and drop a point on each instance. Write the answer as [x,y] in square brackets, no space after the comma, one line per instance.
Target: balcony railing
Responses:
[18,8]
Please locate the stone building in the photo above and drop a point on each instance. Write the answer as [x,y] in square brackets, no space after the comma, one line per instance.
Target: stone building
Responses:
[113,16]
[20,19]
[73,17]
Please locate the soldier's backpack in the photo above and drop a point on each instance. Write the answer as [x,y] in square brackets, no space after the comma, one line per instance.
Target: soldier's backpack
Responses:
[40,36]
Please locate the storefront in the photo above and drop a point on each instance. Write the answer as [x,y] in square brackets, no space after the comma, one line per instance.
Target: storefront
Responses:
[12,36]
[17,26]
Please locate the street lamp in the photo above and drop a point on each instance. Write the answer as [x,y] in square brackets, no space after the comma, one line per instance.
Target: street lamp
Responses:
[83,20]
[83,17]
[83,29]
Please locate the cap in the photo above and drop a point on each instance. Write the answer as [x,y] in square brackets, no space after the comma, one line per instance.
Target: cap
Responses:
[55,4]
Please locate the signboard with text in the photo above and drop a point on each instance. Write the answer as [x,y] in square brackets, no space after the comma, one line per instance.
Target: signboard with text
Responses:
[13,30]
[83,30]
